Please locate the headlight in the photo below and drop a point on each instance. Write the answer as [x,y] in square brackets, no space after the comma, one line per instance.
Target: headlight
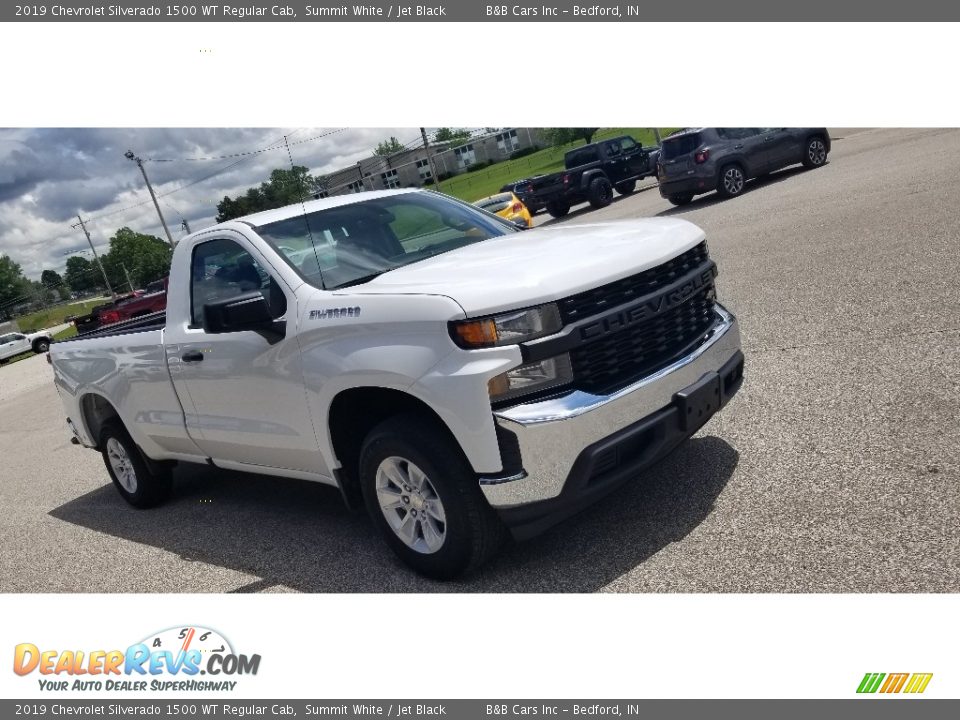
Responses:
[530,378]
[507,328]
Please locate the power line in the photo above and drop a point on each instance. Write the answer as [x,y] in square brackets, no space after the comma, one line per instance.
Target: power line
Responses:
[279,145]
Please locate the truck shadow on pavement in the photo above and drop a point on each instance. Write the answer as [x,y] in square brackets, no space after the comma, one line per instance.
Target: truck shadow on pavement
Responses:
[298,535]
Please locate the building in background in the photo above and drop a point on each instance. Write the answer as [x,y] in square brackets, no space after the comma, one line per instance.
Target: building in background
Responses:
[411,168]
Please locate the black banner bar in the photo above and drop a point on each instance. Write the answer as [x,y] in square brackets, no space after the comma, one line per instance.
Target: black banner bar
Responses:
[489,11]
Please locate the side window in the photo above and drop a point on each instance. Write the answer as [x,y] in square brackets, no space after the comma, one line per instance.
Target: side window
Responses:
[4,339]
[612,148]
[627,144]
[222,269]
[18,337]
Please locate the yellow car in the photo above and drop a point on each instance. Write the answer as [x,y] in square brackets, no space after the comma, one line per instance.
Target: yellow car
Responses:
[508,206]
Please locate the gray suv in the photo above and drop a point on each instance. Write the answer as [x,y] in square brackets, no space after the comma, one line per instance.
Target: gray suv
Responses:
[696,161]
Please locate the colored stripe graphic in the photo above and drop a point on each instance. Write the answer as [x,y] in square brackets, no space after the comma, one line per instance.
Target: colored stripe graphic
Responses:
[894,682]
[918,683]
[870,682]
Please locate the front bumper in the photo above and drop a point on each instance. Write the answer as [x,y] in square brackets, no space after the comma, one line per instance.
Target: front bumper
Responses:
[570,450]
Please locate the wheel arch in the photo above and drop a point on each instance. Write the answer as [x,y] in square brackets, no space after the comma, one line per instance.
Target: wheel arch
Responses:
[95,412]
[353,413]
[589,176]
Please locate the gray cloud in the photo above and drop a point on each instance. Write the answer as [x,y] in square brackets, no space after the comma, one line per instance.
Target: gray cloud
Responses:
[49,175]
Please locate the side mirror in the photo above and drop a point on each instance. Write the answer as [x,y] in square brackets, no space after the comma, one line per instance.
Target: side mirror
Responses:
[241,312]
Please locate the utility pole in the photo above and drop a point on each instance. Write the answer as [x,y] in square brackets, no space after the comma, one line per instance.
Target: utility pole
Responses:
[433,169]
[656,134]
[97,258]
[185,225]
[130,156]
[127,274]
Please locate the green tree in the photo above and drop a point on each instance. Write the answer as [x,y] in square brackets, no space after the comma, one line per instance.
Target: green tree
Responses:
[388,147]
[145,257]
[285,187]
[51,280]
[564,136]
[13,285]
[81,274]
[445,134]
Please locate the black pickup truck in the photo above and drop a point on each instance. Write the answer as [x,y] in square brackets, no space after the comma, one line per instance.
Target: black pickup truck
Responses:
[590,174]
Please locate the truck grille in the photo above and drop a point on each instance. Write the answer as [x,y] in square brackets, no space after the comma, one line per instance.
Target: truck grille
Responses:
[616,293]
[617,360]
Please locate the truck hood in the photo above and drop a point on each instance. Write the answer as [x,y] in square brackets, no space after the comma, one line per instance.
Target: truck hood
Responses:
[540,265]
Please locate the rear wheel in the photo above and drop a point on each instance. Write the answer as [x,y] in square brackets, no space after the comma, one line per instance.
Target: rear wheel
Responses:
[680,199]
[625,188]
[41,345]
[600,192]
[140,483]
[815,153]
[732,181]
[424,498]
[558,209]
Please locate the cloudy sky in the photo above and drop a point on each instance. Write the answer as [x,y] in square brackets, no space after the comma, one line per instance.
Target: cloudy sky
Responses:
[47,176]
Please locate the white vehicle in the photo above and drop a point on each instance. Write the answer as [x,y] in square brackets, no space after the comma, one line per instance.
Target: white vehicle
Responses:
[459,376]
[15,343]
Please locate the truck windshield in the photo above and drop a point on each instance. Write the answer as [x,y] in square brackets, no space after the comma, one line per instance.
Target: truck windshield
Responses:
[353,243]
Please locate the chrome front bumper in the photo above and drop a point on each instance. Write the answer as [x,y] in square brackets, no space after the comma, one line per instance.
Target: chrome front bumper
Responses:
[553,433]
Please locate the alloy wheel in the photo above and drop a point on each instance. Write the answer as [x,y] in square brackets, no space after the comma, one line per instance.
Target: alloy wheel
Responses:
[411,505]
[122,466]
[817,152]
[733,181]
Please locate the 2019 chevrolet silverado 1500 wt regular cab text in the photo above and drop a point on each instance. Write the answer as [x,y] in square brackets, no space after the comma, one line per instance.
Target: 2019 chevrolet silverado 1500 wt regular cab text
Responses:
[459,376]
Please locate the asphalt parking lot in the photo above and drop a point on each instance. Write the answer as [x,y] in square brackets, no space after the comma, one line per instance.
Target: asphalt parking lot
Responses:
[835,469]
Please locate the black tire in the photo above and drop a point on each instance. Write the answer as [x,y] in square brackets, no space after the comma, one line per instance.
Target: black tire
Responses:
[472,532]
[41,345]
[625,188]
[732,181]
[815,152]
[680,199]
[599,193]
[558,209]
[152,481]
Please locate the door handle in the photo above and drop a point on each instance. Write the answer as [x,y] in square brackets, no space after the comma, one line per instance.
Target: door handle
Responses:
[738,147]
[192,356]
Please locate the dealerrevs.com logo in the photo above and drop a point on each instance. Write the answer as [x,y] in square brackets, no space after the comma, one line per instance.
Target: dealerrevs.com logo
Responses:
[176,659]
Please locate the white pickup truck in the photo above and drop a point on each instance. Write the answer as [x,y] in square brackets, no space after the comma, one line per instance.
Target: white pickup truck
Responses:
[459,376]
[17,343]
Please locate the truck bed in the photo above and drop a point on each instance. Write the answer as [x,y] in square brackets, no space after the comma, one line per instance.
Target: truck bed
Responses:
[145,323]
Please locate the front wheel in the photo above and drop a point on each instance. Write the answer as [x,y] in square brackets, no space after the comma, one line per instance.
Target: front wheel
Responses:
[625,188]
[425,500]
[558,209]
[141,484]
[815,153]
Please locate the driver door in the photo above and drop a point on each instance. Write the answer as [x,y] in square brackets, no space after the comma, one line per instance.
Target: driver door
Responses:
[243,392]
